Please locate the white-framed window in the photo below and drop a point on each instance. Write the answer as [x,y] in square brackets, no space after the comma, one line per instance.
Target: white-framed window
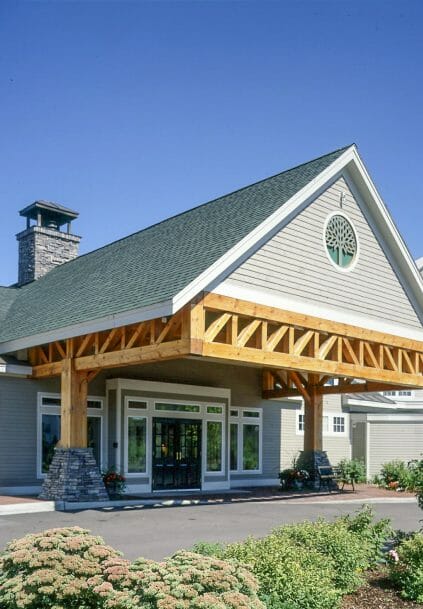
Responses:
[136,437]
[403,393]
[214,454]
[245,440]
[48,429]
[338,424]
[332,424]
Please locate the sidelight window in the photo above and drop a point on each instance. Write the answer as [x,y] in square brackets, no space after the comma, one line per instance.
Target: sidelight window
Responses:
[214,446]
[245,440]
[137,445]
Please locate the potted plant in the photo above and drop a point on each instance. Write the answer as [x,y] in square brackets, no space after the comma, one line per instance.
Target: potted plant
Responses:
[114,482]
[293,478]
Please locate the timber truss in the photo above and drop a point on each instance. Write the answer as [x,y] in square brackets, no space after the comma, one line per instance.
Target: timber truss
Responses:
[295,351]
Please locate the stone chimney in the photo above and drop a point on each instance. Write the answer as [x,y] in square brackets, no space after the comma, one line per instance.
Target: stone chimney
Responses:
[43,245]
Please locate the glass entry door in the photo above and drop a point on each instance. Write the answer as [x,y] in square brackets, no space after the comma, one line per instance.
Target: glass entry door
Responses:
[176,454]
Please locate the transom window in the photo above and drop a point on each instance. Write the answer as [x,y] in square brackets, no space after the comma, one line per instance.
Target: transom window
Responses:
[341,241]
[178,407]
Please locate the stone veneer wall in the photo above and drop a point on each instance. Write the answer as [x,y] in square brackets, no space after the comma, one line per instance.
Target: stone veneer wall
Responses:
[74,475]
[41,249]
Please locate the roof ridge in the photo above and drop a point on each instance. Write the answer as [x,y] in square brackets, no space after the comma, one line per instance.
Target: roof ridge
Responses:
[141,230]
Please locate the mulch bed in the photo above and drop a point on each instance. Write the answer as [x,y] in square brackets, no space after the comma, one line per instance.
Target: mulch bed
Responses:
[377,593]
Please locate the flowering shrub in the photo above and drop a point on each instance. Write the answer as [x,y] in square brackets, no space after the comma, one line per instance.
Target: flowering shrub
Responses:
[70,569]
[52,569]
[114,482]
[406,567]
[192,581]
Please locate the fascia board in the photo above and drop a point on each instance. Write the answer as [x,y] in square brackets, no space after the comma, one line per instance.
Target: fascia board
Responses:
[389,231]
[383,405]
[97,325]
[411,418]
[15,370]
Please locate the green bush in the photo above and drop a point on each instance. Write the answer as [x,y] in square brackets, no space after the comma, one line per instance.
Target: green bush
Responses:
[406,567]
[310,564]
[342,548]
[207,548]
[289,575]
[395,475]
[352,471]
[372,534]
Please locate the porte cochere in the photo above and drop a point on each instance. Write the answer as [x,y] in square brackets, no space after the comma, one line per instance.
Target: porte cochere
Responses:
[169,355]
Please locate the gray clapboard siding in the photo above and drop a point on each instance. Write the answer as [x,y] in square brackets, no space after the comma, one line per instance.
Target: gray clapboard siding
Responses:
[294,264]
[18,425]
[292,443]
[390,440]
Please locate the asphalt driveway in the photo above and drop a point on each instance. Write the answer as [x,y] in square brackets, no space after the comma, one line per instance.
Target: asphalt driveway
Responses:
[158,532]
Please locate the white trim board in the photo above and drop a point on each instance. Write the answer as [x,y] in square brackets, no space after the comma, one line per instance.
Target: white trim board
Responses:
[395,418]
[238,483]
[179,388]
[15,370]
[382,405]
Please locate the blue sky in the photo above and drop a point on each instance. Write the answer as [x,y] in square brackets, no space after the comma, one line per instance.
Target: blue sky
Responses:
[132,111]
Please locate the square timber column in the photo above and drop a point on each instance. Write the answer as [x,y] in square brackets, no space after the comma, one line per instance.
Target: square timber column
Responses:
[73,474]
[313,454]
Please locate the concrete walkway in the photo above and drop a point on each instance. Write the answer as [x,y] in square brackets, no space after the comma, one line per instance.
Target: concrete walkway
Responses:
[363,494]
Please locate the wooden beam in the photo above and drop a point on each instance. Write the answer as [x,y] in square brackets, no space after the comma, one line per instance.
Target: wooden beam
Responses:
[313,421]
[47,370]
[242,307]
[245,334]
[299,385]
[262,359]
[216,326]
[275,338]
[137,355]
[73,411]
[332,390]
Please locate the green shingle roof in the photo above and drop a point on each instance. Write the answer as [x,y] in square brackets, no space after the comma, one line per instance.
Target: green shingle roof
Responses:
[7,296]
[152,265]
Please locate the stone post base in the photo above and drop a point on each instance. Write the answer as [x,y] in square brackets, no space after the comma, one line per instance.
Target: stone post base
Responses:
[310,460]
[74,476]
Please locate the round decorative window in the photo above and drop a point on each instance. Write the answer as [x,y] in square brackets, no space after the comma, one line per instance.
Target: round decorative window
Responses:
[341,241]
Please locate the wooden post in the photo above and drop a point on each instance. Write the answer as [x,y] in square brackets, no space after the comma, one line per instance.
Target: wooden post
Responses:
[313,421]
[74,406]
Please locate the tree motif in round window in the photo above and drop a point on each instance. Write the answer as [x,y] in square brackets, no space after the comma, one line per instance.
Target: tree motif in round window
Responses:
[341,241]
